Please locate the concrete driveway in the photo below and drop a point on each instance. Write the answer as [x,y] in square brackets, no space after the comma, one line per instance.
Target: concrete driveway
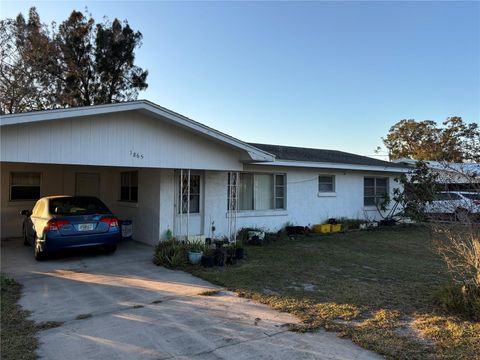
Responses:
[121,306]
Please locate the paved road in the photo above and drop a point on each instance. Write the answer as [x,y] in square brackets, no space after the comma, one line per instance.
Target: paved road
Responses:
[121,306]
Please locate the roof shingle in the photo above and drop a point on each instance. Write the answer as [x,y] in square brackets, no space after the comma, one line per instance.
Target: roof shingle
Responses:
[323,156]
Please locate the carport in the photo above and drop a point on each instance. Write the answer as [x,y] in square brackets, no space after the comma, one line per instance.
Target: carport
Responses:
[118,187]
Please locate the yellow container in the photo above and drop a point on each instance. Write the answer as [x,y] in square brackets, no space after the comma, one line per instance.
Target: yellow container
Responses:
[325,228]
[317,228]
[336,228]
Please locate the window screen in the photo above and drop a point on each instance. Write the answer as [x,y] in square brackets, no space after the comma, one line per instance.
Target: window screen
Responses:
[25,186]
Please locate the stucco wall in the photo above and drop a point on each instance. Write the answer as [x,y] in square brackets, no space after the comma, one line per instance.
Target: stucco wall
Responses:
[155,211]
[304,204]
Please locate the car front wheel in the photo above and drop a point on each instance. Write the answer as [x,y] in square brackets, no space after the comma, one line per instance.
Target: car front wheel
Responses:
[39,250]
[25,238]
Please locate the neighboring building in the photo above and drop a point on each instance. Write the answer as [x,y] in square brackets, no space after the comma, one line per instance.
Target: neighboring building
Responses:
[139,158]
[451,176]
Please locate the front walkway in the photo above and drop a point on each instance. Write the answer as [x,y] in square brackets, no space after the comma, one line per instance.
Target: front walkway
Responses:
[121,306]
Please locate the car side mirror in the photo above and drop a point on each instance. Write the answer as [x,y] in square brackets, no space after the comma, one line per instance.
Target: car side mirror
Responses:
[25,212]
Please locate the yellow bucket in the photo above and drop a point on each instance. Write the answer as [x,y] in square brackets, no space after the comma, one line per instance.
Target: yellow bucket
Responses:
[336,228]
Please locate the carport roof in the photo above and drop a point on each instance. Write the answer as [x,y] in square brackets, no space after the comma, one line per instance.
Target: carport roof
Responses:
[149,107]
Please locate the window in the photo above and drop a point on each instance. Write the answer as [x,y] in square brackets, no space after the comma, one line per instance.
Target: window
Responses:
[259,192]
[25,186]
[194,205]
[129,186]
[326,183]
[374,190]
[79,205]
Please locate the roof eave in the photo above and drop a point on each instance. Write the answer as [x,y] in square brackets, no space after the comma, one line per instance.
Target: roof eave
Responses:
[336,166]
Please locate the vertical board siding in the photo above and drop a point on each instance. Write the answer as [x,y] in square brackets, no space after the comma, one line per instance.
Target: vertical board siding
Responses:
[109,139]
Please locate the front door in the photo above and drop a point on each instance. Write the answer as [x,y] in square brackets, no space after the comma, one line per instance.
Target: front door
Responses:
[87,184]
[189,210]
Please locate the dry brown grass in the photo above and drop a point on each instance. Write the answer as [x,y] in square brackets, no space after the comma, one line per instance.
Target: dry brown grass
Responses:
[376,288]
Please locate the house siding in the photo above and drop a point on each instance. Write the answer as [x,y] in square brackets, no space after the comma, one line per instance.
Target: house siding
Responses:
[113,140]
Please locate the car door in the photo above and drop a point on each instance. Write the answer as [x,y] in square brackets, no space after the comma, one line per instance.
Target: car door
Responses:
[38,219]
[28,224]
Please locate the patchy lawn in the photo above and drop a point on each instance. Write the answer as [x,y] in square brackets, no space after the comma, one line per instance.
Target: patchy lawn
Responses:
[375,287]
[17,334]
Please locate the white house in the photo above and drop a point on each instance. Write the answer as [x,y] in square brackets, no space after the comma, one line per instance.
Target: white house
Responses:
[165,172]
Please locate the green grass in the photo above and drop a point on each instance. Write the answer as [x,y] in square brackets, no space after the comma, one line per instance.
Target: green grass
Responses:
[375,287]
[17,333]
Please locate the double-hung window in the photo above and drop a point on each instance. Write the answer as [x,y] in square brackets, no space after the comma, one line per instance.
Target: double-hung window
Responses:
[374,190]
[259,192]
[326,183]
[24,186]
[129,186]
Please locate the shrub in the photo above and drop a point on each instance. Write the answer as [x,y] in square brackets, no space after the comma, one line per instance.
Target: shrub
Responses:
[196,246]
[460,300]
[351,223]
[459,246]
[171,254]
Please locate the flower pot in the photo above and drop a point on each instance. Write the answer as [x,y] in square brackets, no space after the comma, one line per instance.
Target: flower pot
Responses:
[195,257]
[231,260]
[219,256]
[239,253]
[208,260]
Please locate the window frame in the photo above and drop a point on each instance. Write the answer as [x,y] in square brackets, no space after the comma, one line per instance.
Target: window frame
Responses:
[375,195]
[274,188]
[129,200]
[334,185]
[199,195]
[11,185]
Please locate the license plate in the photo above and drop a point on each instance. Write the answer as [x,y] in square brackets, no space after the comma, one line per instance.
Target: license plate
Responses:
[85,227]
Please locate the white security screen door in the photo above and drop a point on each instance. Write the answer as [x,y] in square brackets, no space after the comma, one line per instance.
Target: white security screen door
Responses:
[87,184]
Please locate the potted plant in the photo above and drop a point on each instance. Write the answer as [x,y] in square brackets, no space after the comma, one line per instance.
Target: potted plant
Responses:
[230,251]
[208,259]
[219,256]
[239,251]
[195,252]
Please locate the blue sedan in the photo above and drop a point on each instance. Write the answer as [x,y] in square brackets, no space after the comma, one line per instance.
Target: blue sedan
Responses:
[60,222]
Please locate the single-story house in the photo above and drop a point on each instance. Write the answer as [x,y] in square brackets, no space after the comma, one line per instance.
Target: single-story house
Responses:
[165,172]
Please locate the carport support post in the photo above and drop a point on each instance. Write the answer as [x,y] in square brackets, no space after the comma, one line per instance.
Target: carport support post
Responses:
[185,179]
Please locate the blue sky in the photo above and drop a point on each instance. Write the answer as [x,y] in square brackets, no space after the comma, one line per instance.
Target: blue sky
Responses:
[332,75]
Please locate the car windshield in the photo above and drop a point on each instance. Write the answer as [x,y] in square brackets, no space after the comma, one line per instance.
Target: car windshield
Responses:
[472,196]
[77,205]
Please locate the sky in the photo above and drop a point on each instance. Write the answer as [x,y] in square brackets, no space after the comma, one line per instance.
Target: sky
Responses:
[329,75]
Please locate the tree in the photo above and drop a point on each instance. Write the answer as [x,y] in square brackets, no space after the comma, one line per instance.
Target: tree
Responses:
[77,63]
[417,188]
[456,141]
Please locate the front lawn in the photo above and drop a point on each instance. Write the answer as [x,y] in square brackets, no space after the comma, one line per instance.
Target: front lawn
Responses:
[375,287]
[17,333]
